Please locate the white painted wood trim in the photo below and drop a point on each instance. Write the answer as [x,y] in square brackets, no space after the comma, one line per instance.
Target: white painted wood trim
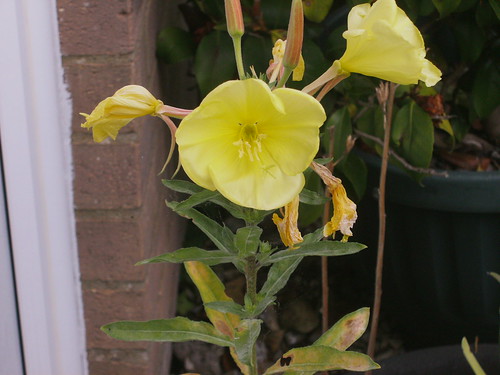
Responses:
[35,113]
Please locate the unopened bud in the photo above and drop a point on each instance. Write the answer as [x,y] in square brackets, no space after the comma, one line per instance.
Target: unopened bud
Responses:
[295,35]
[234,18]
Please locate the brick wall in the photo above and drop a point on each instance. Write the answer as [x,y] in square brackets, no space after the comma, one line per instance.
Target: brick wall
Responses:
[120,214]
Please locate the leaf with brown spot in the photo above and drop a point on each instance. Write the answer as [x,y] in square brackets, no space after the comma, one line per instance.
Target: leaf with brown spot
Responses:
[315,358]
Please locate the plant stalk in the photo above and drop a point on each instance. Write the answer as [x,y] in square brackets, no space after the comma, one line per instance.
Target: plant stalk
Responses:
[385,95]
[251,283]
[239,57]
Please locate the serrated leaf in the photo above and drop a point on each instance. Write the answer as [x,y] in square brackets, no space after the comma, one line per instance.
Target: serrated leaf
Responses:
[247,240]
[321,358]
[414,132]
[208,257]
[212,290]
[346,331]
[322,248]
[246,335]
[221,236]
[166,330]
[317,10]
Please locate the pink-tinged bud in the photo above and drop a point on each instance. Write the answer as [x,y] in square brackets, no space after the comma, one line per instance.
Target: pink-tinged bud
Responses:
[234,18]
[295,35]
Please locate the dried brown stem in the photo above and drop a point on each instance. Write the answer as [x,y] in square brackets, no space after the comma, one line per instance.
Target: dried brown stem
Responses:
[385,95]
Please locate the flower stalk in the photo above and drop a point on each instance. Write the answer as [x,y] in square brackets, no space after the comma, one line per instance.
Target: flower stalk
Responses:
[236,29]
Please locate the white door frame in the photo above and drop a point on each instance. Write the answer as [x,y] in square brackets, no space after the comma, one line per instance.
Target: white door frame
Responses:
[35,117]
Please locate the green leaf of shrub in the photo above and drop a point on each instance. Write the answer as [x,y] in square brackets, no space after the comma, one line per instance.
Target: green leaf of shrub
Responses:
[174,45]
[321,358]
[322,248]
[246,335]
[208,257]
[172,330]
[445,7]
[317,10]
[247,240]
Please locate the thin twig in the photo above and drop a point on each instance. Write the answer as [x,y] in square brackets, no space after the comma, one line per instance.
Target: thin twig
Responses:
[385,95]
[399,158]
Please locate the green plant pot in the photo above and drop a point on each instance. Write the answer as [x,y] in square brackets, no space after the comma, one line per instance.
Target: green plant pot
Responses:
[442,239]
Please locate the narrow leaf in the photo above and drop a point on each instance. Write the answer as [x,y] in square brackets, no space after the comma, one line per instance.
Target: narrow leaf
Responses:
[196,199]
[209,257]
[312,197]
[278,276]
[247,240]
[220,236]
[346,331]
[182,186]
[173,330]
[321,358]
[322,248]
[471,359]
[245,337]
[212,290]
[226,307]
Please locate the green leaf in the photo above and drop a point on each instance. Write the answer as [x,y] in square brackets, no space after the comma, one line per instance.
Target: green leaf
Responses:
[486,82]
[174,45]
[372,122]
[312,198]
[172,330]
[276,13]
[212,290]
[226,307]
[352,170]
[247,240]
[346,331]
[214,62]
[257,50]
[182,186]
[340,120]
[496,7]
[209,257]
[322,248]
[321,358]
[222,237]
[251,216]
[278,276]
[413,131]
[244,339]
[445,7]
[196,199]
[317,10]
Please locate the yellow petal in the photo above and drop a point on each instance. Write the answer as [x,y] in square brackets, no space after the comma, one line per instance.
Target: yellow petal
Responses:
[287,226]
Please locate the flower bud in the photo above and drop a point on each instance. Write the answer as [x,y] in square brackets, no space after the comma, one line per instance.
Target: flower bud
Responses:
[295,35]
[234,18]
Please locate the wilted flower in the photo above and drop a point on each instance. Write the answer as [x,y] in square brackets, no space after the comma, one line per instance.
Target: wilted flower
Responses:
[344,209]
[116,111]
[287,226]
[250,143]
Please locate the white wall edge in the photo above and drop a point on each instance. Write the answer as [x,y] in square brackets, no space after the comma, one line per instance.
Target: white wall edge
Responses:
[35,125]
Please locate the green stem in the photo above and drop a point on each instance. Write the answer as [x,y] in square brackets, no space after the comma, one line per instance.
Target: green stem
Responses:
[251,269]
[238,56]
[286,74]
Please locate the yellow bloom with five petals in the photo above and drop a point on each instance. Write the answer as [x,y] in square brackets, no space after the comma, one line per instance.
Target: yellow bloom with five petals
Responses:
[383,42]
[250,143]
[116,111]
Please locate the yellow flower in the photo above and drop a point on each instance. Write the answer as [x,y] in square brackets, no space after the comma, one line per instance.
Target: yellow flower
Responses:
[116,111]
[287,227]
[250,143]
[344,209]
[276,67]
[383,42]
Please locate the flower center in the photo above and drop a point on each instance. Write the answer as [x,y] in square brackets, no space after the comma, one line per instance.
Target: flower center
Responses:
[249,142]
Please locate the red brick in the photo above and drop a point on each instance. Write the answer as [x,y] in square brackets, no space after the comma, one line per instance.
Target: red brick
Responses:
[91,81]
[96,27]
[107,176]
[109,249]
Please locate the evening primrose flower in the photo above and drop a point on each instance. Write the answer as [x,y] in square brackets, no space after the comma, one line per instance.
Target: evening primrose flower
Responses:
[276,68]
[250,143]
[383,42]
[116,111]
[287,226]
[344,209]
